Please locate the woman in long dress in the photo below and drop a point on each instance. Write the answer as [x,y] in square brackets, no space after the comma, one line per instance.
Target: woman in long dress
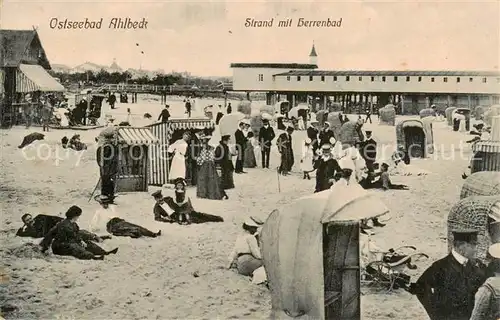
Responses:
[223,159]
[249,161]
[208,185]
[179,148]
[306,162]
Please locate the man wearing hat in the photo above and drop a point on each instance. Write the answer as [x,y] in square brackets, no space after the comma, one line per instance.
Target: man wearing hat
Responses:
[241,144]
[487,300]
[107,159]
[326,134]
[285,148]
[164,115]
[327,167]
[161,211]
[369,151]
[447,288]
[266,136]
[312,133]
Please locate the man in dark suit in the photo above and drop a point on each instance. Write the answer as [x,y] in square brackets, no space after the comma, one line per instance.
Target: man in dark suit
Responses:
[241,144]
[165,114]
[447,288]
[312,133]
[285,148]
[107,159]
[266,136]
[326,134]
[369,151]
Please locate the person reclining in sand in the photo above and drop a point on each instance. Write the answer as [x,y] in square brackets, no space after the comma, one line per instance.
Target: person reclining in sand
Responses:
[246,256]
[66,240]
[106,218]
[383,182]
[40,225]
[179,207]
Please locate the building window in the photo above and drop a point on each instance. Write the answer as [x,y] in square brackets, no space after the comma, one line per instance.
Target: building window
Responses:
[445,79]
[395,79]
[470,79]
[261,77]
[287,78]
[347,78]
[383,79]
[458,79]
[419,79]
[298,78]
[311,78]
[323,78]
[334,78]
[407,79]
[432,79]
[360,78]
[373,79]
[484,80]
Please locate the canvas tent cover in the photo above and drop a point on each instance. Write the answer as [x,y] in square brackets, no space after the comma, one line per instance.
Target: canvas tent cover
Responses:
[292,246]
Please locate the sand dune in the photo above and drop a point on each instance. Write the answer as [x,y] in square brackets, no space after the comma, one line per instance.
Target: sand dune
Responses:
[181,274]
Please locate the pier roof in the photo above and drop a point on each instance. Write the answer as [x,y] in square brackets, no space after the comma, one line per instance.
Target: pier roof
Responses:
[449,73]
[275,65]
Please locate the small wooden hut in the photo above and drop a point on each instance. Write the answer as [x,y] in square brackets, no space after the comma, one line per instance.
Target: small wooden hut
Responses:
[133,158]
[415,137]
[484,183]
[167,133]
[448,113]
[387,115]
[475,213]
[310,249]
[427,112]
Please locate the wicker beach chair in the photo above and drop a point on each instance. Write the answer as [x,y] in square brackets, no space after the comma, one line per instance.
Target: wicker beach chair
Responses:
[387,115]
[244,107]
[479,112]
[350,133]
[448,113]
[484,183]
[493,111]
[335,124]
[428,112]
[322,117]
[472,213]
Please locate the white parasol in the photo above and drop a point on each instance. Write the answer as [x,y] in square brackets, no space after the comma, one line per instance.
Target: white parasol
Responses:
[228,124]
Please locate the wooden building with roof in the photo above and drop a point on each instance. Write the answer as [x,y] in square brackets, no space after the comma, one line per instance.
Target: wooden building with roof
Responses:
[23,69]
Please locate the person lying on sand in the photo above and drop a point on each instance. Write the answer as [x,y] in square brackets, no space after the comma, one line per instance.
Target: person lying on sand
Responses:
[73,143]
[39,227]
[246,256]
[30,138]
[179,208]
[383,182]
[65,239]
[106,218]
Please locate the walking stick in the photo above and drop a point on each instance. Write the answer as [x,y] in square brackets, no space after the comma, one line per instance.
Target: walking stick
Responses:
[95,188]
[278,173]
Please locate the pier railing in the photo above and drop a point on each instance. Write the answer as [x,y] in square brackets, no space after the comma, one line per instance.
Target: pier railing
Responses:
[166,89]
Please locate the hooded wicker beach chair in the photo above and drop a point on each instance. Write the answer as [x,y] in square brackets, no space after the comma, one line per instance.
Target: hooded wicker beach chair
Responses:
[479,112]
[448,113]
[474,213]
[492,111]
[350,133]
[335,124]
[428,112]
[387,115]
[484,183]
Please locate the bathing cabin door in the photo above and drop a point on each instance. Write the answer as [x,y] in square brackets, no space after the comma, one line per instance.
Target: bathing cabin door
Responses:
[341,265]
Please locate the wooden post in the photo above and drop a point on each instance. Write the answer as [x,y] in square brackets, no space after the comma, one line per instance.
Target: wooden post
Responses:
[325,99]
[468,101]
[225,100]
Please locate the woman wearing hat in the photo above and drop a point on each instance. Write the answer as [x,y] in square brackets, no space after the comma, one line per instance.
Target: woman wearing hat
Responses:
[306,162]
[249,161]
[246,256]
[487,299]
[208,185]
[66,240]
[285,148]
[223,159]
[179,149]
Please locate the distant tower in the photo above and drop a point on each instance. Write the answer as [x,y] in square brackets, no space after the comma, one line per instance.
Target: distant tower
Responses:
[313,56]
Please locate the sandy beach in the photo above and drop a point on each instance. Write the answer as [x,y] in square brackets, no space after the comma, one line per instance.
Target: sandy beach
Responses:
[182,274]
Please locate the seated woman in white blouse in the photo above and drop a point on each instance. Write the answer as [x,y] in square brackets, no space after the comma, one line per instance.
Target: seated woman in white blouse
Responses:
[246,256]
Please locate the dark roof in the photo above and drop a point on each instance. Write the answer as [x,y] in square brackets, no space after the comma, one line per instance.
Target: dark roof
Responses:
[14,44]
[388,73]
[313,52]
[275,65]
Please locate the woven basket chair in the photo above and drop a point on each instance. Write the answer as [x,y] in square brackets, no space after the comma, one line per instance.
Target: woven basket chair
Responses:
[448,113]
[493,111]
[256,124]
[472,213]
[245,107]
[484,183]
[267,109]
[387,115]
[322,117]
[479,112]
[428,112]
[349,133]
[335,124]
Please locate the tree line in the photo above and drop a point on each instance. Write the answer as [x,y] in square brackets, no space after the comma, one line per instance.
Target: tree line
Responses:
[104,76]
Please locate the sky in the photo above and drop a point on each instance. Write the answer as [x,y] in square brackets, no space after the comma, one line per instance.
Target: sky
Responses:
[205,37]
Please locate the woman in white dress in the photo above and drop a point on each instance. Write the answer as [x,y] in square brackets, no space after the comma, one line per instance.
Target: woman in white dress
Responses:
[306,162]
[178,167]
